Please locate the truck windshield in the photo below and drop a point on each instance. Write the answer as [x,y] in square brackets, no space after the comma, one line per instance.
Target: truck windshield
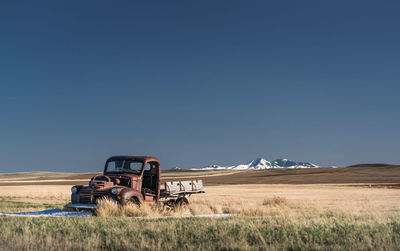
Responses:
[124,166]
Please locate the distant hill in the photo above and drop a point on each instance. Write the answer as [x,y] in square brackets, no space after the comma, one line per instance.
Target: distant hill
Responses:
[373,165]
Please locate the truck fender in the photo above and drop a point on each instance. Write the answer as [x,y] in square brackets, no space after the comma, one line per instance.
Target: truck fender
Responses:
[128,193]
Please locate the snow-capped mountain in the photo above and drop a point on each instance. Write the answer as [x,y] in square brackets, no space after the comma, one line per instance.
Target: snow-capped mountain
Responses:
[285,163]
[260,164]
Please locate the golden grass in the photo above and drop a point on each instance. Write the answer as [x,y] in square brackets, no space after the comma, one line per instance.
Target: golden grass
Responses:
[274,217]
[325,232]
[327,196]
[108,208]
[275,201]
[254,201]
[37,191]
[235,198]
[276,206]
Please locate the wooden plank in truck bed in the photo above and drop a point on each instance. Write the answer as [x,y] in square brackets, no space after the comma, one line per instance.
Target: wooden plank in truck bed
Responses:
[189,186]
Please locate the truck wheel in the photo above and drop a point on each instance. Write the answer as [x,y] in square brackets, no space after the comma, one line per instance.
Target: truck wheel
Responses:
[133,201]
[183,202]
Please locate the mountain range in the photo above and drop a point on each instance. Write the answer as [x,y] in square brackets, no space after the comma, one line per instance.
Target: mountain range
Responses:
[261,164]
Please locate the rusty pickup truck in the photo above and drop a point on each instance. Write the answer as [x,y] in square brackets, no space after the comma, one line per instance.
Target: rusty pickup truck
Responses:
[132,180]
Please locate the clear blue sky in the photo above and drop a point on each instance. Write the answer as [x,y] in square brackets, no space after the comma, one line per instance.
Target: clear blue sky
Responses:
[198,82]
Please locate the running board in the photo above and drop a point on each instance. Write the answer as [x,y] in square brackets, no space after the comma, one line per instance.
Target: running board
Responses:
[82,206]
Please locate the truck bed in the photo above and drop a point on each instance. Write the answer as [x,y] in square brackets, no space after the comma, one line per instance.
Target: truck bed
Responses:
[179,188]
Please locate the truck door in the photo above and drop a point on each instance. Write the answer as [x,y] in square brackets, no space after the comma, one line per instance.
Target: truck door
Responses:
[150,183]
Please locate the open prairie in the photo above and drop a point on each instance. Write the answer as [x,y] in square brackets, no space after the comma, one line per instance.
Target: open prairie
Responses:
[367,173]
[359,174]
[358,186]
[341,208]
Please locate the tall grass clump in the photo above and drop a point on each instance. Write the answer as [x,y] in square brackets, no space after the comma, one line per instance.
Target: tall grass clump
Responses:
[108,208]
[275,201]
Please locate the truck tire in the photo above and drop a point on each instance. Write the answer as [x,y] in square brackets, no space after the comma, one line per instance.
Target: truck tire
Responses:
[133,201]
[130,195]
[183,202]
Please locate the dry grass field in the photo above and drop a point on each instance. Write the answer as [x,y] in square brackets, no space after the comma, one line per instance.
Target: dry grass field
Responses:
[233,198]
[367,174]
[328,213]
[358,174]
[372,188]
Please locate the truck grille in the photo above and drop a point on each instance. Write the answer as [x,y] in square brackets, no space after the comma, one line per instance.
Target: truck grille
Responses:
[90,197]
[85,197]
[98,194]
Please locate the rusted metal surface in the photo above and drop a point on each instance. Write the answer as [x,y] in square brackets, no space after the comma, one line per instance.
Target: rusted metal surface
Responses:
[125,187]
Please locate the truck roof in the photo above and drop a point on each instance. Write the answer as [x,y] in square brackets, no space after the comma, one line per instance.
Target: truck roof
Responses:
[139,158]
